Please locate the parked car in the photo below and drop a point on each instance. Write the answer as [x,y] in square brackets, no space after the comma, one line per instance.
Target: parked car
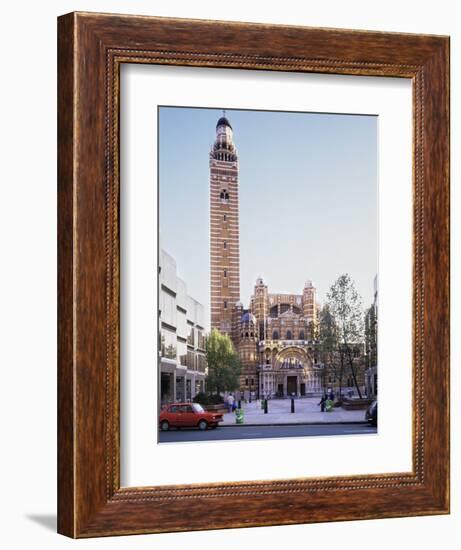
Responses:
[188,415]
[371,414]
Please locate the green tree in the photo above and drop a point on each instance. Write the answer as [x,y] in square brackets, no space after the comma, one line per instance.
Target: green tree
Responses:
[313,331]
[346,307]
[223,363]
[328,337]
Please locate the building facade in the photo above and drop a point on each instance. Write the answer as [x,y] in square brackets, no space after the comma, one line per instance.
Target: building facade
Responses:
[182,341]
[276,334]
[371,344]
[276,343]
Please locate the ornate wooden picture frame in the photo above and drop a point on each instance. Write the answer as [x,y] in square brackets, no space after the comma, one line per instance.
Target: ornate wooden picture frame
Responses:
[92,48]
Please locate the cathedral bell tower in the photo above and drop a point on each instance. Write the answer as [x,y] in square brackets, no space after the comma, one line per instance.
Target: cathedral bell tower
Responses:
[224,231]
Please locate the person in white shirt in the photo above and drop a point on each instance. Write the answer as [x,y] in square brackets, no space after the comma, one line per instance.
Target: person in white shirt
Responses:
[230,402]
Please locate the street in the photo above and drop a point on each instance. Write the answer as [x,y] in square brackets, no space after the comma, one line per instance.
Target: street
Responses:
[257,432]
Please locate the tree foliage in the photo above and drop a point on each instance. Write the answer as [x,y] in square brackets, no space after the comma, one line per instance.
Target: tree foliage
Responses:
[328,337]
[223,363]
[345,305]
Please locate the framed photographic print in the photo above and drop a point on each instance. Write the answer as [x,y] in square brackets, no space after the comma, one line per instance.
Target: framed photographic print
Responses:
[253,255]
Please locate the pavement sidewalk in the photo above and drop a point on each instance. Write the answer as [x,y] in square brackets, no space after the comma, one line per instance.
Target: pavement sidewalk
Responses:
[307,411]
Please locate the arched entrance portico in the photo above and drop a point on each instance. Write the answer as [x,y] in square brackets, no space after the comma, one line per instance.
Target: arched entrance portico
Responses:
[291,374]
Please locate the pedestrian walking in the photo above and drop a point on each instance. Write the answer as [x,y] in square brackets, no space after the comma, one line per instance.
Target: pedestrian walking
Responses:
[230,402]
[322,402]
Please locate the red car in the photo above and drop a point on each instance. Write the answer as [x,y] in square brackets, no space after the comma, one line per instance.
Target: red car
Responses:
[188,415]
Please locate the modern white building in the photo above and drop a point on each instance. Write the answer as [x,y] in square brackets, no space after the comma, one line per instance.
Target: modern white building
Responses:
[182,362]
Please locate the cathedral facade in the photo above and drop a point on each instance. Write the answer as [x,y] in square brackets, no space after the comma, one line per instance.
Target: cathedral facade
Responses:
[276,343]
[275,334]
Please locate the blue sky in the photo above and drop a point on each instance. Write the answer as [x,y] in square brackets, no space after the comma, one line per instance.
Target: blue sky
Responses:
[308,198]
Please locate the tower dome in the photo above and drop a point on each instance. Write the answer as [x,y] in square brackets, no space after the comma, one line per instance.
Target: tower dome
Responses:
[248,318]
[223,148]
[223,121]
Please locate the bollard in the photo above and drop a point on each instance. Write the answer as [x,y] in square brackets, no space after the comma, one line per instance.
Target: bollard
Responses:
[239,416]
[265,406]
[240,404]
[292,405]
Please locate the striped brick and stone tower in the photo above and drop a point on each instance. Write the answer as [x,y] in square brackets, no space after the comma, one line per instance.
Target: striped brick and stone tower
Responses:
[224,231]
[310,306]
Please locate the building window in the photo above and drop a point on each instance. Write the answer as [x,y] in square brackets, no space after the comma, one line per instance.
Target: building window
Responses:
[301,335]
[274,312]
[224,196]
[225,304]
[289,335]
[224,244]
[275,335]
[224,217]
[284,308]
[225,273]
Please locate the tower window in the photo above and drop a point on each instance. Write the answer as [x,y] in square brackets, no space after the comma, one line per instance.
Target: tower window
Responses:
[225,273]
[225,304]
[224,244]
[224,217]
[275,335]
[289,335]
[224,196]
[301,335]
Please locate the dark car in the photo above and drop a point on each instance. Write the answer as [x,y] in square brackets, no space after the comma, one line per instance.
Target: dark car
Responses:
[188,415]
[371,415]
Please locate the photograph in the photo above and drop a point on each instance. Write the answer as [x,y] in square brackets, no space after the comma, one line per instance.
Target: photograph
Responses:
[228,237]
[267,274]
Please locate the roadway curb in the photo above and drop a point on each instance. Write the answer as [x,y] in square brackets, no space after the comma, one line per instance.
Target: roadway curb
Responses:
[292,424]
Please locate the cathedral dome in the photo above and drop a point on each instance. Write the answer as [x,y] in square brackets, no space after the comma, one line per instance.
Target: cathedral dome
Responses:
[248,318]
[223,122]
